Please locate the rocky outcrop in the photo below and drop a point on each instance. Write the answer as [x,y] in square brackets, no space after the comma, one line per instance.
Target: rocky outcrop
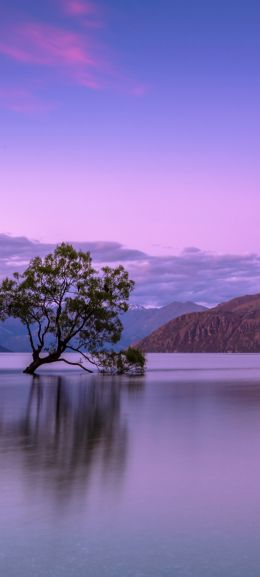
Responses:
[233,326]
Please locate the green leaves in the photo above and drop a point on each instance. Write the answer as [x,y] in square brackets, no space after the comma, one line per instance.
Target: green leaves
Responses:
[63,301]
[127,362]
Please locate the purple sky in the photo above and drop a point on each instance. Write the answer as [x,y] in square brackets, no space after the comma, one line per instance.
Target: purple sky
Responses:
[132,122]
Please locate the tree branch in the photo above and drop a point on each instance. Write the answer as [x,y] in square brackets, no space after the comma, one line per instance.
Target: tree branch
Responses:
[73,332]
[39,334]
[30,336]
[75,364]
[45,330]
[81,353]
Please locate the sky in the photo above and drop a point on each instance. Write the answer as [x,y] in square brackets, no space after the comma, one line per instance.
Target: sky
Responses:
[134,126]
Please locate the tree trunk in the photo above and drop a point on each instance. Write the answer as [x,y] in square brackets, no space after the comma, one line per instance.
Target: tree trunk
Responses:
[38,362]
[34,365]
[51,358]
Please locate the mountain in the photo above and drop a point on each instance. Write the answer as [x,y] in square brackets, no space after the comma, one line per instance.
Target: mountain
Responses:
[13,336]
[233,326]
[4,350]
[138,322]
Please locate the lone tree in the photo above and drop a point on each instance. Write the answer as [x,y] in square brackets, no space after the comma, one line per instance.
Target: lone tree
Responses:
[68,306]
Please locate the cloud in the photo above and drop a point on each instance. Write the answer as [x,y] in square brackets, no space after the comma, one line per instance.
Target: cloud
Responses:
[198,276]
[140,89]
[53,47]
[21,249]
[79,8]
[70,47]
[194,274]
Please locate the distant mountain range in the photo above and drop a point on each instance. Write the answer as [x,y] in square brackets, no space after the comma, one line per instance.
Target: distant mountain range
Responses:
[4,350]
[233,326]
[13,336]
[138,322]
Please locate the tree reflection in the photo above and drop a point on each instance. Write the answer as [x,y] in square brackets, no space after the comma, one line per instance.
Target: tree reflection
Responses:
[72,431]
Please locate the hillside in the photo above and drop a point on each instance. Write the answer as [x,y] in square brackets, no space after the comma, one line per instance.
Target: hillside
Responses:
[13,336]
[233,326]
[138,322]
[4,350]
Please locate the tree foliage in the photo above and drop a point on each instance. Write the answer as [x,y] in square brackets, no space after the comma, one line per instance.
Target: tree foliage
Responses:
[68,306]
[130,361]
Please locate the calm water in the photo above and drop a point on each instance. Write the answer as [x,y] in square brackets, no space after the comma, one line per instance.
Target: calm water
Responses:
[150,477]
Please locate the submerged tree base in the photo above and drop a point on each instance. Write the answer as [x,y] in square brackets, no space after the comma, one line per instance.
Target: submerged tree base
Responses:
[31,369]
[53,358]
[130,362]
[127,362]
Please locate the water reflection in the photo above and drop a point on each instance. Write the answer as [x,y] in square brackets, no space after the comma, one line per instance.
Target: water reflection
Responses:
[69,432]
[102,477]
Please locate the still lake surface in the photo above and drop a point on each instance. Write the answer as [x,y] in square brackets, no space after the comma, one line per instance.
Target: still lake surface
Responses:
[131,477]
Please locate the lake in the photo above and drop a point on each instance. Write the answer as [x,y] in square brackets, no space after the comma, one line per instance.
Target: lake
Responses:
[156,476]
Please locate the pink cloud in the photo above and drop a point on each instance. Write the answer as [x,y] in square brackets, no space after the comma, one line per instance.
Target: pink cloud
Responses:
[79,8]
[47,45]
[85,79]
[74,54]
[139,89]
[54,47]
